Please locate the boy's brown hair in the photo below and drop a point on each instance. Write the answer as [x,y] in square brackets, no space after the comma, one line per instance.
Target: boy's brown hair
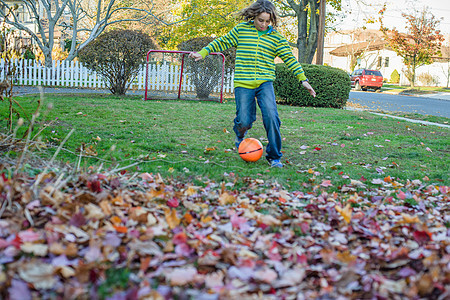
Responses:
[258,7]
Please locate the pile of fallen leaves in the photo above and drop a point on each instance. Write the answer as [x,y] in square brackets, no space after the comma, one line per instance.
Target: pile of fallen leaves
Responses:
[140,236]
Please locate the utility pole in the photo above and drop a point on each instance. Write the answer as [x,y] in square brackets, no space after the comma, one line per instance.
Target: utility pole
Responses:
[321,33]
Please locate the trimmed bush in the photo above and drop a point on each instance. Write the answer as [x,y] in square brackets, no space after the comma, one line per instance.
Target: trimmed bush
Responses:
[332,86]
[395,76]
[117,55]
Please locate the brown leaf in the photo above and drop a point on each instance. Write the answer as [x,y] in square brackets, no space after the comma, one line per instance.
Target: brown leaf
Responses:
[171,217]
[345,212]
[225,199]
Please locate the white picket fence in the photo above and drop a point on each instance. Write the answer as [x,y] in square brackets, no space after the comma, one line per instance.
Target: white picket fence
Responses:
[74,74]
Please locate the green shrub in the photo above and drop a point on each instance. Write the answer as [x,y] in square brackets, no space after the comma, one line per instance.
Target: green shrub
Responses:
[28,54]
[332,86]
[395,76]
[117,55]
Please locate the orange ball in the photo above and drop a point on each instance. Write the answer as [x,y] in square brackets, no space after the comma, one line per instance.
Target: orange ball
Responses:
[250,149]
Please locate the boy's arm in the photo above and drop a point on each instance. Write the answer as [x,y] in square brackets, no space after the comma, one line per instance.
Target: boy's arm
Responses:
[218,45]
[285,53]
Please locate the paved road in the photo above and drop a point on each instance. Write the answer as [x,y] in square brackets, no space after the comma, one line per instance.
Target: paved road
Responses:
[401,103]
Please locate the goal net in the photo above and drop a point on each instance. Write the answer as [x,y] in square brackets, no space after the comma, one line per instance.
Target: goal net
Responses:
[173,75]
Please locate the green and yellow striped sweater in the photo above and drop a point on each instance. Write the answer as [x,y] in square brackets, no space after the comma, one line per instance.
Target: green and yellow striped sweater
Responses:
[255,54]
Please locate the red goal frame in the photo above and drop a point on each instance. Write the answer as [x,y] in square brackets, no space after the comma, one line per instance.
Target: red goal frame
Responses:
[183,56]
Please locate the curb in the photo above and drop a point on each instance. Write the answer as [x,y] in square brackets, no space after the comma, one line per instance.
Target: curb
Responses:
[400,118]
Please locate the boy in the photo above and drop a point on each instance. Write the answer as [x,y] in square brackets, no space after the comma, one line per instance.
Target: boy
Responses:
[257,44]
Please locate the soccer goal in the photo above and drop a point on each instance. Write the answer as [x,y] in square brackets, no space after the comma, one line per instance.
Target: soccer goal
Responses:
[173,75]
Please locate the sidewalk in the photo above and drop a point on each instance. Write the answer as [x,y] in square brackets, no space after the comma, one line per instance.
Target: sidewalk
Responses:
[437,95]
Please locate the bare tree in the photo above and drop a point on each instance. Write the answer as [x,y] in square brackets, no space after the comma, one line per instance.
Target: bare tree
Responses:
[52,15]
[303,11]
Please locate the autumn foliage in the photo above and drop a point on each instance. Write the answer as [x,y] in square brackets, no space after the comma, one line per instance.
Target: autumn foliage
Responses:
[122,235]
[418,45]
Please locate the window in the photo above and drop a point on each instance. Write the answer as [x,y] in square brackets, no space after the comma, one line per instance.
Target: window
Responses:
[379,62]
[373,72]
[386,62]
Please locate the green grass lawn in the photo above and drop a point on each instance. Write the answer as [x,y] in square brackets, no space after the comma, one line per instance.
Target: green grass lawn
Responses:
[416,90]
[194,140]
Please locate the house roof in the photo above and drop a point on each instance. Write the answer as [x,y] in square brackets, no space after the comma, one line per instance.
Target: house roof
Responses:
[445,51]
[358,48]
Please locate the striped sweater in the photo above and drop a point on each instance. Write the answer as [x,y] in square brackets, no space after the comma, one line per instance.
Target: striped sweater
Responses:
[255,54]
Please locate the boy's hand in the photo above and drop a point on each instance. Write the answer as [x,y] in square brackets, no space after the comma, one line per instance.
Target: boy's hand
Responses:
[307,86]
[196,56]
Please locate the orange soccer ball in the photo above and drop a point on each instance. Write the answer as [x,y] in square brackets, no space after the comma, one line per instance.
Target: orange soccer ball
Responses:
[250,149]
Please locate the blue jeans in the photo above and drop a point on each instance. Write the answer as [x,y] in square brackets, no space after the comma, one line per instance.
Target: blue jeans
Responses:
[246,115]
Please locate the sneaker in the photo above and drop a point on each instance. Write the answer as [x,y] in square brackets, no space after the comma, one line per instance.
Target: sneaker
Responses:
[275,163]
[237,142]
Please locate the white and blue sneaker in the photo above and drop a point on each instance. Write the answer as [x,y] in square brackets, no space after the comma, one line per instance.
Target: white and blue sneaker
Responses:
[275,163]
[237,142]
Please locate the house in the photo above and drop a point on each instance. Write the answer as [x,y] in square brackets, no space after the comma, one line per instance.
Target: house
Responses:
[24,17]
[29,19]
[349,50]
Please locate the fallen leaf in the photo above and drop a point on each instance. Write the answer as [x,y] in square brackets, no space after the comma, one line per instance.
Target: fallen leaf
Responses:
[181,276]
[408,219]
[225,199]
[171,217]
[346,212]
[40,274]
[326,183]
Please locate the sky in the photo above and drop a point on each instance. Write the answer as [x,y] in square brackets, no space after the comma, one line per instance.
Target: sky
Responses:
[393,15]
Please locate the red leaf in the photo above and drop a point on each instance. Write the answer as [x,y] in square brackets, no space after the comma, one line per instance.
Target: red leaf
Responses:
[173,202]
[304,226]
[94,186]
[422,236]
[179,238]
[16,242]
[77,220]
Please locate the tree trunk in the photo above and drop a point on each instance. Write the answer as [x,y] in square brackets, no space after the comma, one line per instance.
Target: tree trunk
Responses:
[307,41]
[353,62]
[302,27]
[413,73]
[313,30]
